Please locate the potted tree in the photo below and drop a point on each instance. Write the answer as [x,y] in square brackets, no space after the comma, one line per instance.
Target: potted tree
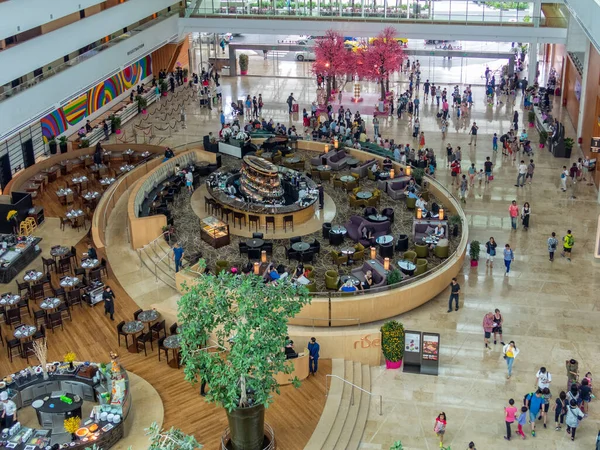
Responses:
[531,118]
[543,138]
[52,145]
[62,144]
[569,143]
[474,250]
[185,74]
[84,143]
[394,276]
[455,221]
[164,87]
[115,124]
[392,343]
[243,64]
[142,103]
[418,174]
[246,320]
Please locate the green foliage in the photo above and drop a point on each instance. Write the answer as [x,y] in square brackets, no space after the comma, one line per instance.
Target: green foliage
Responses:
[531,117]
[164,86]
[474,250]
[392,340]
[84,143]
[543,136]
[62,139]
[185,72]
[115,122]
[455,220]
[569,143]
[527,19]
[394,276]
[172,439]
[418,174]
[243,62]
[246,321]
[52,140]
[142,102]
[519,6]
[397,446]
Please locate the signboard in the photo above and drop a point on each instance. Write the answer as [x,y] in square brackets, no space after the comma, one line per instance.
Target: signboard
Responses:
[412,352]
[430,347]
[430,353]
[595,145]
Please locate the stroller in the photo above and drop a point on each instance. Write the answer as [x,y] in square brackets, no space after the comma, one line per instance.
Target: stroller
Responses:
[527,148]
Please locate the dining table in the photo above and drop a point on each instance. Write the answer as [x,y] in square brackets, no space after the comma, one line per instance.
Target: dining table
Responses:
[148,316]
[173,342]
[107,181]
[255,243]
[63,192]
[300,246]
[33,275]
[24,332]
[364,195]
[73,214]
[9,299]
[50,304]
[69,282]
[133,328]
[59,251]
[89,263]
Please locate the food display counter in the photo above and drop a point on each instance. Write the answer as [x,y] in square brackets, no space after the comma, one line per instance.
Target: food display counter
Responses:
[61,396]
[16,253]
[215,232]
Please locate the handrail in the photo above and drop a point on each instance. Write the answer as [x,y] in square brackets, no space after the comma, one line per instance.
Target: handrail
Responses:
[329,319]
[352,392]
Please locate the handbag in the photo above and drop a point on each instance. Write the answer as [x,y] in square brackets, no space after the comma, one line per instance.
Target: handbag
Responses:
[491,177]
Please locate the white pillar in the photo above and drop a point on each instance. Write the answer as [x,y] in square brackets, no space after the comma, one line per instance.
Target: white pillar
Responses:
[537,13]
[532,65]
[584,80]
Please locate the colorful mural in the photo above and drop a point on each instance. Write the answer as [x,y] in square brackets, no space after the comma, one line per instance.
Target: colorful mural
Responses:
[100,95]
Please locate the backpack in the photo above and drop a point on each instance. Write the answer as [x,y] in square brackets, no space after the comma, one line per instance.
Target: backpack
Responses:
[527,397]
[569,240]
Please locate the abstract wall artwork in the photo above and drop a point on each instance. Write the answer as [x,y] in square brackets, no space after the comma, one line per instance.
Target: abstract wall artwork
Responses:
[59,120]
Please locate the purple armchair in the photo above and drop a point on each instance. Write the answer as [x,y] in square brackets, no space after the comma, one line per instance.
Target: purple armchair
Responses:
[379,279]
[352,226]
[423,227]
[362,170]
[395,189]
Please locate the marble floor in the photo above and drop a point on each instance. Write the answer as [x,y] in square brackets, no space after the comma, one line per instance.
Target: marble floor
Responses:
[549,308]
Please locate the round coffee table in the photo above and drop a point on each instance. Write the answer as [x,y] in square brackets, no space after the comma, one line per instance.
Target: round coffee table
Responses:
[347,178]
[323,168]
[57,252]
[255,243]
[134,327]
[300,246]
[407,267]
[338,229]
[148,316]
[384,239]
[352,162]
[377,218]
[364,195]
[344,278]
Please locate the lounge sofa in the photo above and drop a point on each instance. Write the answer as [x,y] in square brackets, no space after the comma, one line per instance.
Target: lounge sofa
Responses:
[338,160]
[317,160]
[362,169]
[357,223]
[422,226]
[395,189]
[379,278]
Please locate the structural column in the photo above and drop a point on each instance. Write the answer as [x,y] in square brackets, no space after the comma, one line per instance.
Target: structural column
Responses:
[532,65]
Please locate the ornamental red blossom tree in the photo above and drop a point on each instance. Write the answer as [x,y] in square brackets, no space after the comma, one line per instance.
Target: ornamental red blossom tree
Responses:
[382,57]
[332,59]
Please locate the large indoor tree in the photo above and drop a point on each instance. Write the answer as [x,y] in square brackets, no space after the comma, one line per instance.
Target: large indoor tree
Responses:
[332,59]
[381,58]
[233,334]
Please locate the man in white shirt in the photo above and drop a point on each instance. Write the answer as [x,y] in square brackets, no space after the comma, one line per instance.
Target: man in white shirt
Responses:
[543,378]
[522,174]
[9,413]
[420,203]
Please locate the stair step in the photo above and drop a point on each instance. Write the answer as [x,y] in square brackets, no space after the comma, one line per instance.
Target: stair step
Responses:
[353,411]
[344,407]
[331,407]
[363,413]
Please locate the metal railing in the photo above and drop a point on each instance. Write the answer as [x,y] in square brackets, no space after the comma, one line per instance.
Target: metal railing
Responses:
[329,320]
[352,392]
[157,264]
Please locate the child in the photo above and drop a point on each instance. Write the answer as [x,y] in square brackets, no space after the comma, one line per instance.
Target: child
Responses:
[440,427]
[522,420]
[480,176]
[495,142]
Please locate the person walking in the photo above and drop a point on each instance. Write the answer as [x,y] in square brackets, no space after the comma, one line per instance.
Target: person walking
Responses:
[530,169]
[534,402]
[543,378]
[290,101]
[488,165]
[568,242]
[563,179]
[509,417]
[509,257]
[177,255]
[464,186]
[572,372]
[497,330]
[552,244]
[472,173]
[573,417]
[488,326]
[440,427]
[513,211]
[490,249]
[522,174]
[473,134]
[521,421]
[510,352]
[189,181]
[376,126]
[525,214]
[313,351]
[560,409]
[109,302]
[454,293]
[422,140]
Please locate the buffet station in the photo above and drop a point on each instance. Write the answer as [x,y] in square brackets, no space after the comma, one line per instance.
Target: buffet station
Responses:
[261,188]
[214,232]
[58,394]
[16,253]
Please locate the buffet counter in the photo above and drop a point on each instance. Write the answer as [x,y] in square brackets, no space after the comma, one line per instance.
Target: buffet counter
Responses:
[300,369]
[61,396]
[17,255]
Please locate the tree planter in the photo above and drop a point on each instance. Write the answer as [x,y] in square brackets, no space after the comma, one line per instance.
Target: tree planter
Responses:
[247,427]
[542,145]
[530,124]
[63,147]
[164,94]
[144,111]
[118,131]
[474,263]
[243,72]
[393,364]
[52,147]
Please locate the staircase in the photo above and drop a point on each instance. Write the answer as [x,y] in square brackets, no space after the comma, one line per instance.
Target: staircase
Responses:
[342,423]
[157,258]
